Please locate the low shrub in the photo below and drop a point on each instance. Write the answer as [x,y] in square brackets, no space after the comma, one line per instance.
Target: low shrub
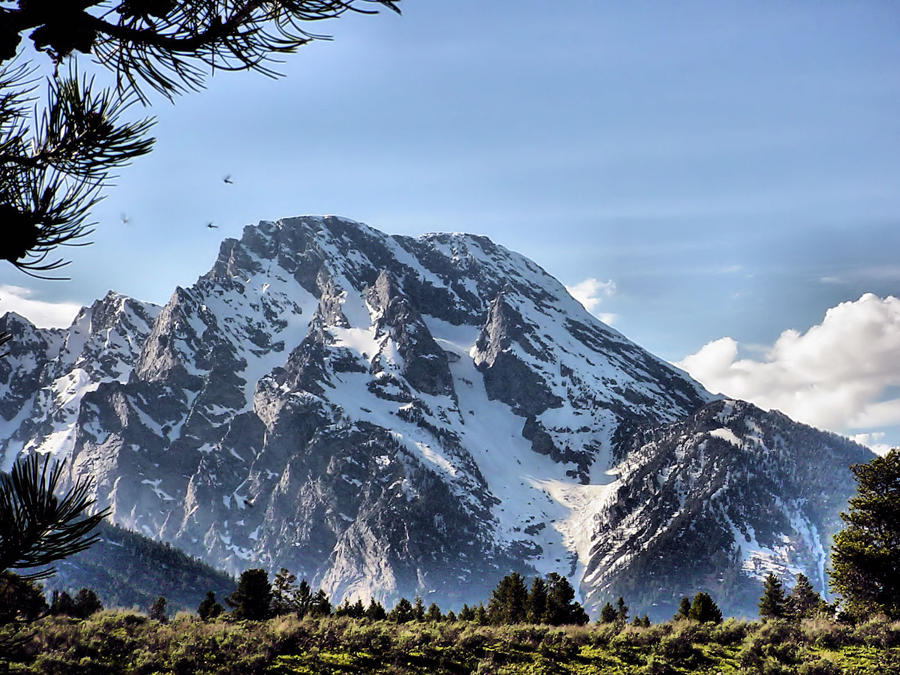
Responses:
[826,634]
[877,632]
[730,632]
[819,667]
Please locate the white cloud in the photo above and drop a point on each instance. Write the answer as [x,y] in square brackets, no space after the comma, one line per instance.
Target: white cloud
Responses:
[873,442]
[42,314]
[591,292]
[838,375]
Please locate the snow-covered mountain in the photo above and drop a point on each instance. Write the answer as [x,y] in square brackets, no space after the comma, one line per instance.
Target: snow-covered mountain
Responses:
[387,415]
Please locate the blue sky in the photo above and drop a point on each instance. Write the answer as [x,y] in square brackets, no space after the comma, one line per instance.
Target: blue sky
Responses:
[720,169]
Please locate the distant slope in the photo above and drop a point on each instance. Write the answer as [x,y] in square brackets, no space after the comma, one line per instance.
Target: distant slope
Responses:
[715,502]
[129,570]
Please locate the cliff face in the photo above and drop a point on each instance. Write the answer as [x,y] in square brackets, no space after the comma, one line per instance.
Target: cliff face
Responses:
[384,416]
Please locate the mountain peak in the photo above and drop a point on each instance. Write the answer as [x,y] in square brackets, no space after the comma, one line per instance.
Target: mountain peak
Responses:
[384,415]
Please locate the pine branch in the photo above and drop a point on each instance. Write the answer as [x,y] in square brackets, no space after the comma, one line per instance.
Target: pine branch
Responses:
[37,527]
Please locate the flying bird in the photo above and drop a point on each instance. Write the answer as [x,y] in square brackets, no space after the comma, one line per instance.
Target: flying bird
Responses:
[125,219]
[211,226]
[228,180]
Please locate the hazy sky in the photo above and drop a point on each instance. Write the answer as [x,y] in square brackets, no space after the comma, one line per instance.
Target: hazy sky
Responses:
[695,170]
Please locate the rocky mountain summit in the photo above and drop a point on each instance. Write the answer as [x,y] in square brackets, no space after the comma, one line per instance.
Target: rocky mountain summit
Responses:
[388,416]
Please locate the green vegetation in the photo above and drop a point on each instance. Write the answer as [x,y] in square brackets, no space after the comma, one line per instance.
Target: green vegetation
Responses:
[117,642]
[865,556]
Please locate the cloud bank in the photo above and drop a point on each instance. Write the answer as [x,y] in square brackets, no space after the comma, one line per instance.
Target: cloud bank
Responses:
[591,292]
[842,374]
[41,314]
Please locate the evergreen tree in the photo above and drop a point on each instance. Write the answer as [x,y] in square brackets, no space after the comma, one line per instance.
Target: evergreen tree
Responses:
[86,603]
[418,609]
[450,616]
[704,609]
[537,600]
[772,604]
[865,555]
[375,611]
[509,601]
[561,606]
[253,597]
[158,610]
[62,604]
[481,615]
[284,588]
[20,599]
[320,604]
[302,599]
[645,621]
[636,621]
[466,613]
[607,613]
[621,610]
[403,612]
[803,602]
[209,609]
[357,609]
[684,609]
[433,614]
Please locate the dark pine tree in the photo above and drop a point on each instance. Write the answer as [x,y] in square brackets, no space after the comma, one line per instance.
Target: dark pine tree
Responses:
[433,614]
[61,604]
[403,612]
[321,604]
[208,608]
[865,555]
[561,606]
[509,601]
[803,601]
[86,603]
[375,611]
[418,609]
[621,610]
[607,613]
[20,599]
[772,604]
[466,613]
[684,609]
[303,599]
[158,610]
[537,600]
[284,587]
[704,609]
[253,597]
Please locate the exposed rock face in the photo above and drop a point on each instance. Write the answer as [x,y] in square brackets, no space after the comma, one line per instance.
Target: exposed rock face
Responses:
[381,415]
[736,491]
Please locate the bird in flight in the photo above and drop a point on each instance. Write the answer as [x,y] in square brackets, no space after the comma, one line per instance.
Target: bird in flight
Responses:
[211,226]
[125,219]
[228,180]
